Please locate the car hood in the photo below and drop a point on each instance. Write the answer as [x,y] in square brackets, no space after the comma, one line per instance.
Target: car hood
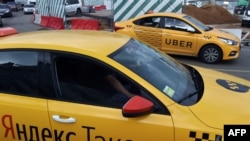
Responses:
[226,100]
[223,34]
[3,10]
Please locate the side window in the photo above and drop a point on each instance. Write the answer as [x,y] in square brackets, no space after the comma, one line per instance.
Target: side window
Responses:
[74,1]
[149,21]
[176,24]
[85,81]
[68,2]
[19,72]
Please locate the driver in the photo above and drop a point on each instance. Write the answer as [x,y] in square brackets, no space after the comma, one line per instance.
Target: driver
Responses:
[102,79]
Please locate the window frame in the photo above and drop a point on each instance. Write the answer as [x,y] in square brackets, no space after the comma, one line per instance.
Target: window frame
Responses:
[42,90]
[55,55]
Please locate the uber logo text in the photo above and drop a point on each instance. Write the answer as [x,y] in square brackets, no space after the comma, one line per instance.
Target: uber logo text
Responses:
[236,132]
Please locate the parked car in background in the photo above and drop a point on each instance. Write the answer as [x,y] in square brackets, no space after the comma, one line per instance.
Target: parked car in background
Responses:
[29,8]
[5,11]
[239,9]
[13,6]
[246,17]
[1,22]
[181,34]
[73,7]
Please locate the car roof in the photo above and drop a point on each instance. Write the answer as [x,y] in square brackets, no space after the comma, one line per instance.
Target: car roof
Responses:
[177,15]
[102,42]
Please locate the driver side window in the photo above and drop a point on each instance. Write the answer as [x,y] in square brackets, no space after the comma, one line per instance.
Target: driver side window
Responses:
[85,81]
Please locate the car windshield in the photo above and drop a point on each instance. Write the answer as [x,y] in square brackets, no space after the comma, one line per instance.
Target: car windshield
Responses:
[3,6]
[11,3]
[197,23]
[30,5]
[170,77]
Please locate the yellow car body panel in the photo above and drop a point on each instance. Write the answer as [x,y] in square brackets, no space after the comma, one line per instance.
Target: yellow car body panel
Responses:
[101,123]
[216,94]
[68,41]
[20,114]
[53,119]
[173,40]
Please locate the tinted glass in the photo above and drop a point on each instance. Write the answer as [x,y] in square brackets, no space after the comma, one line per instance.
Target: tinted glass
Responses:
[4,6]
[19,72]
[83,81]
[74,2]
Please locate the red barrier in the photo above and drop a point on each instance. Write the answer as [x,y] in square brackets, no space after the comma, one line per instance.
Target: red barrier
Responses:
[84,24]
[99,8]
[56,23]
[44,20]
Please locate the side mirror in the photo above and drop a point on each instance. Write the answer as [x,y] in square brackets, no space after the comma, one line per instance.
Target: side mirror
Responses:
[137,106]
[66,3]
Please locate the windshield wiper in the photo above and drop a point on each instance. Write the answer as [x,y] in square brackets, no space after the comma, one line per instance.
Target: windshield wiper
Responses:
[188,96]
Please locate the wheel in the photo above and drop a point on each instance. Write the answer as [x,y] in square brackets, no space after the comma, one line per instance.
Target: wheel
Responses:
[238,12]
[210,54]
[78,12]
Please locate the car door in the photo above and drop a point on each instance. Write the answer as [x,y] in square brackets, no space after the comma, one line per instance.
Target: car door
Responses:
[147,30]
[178,37]
[69,8]
[84,110]
[23,113]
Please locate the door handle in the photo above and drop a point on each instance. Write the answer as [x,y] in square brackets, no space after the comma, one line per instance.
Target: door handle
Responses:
[63,120]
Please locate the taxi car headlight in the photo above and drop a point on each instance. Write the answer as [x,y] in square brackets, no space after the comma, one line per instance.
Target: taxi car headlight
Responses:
[7,11]
[228,41]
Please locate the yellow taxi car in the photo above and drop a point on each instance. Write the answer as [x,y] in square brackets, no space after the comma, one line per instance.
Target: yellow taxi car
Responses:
[53,87]
[181,34]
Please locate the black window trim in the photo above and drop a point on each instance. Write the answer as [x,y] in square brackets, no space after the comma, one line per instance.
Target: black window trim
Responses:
[56,54]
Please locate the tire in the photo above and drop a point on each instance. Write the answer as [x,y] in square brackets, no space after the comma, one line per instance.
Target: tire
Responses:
[78,12]
[210,54]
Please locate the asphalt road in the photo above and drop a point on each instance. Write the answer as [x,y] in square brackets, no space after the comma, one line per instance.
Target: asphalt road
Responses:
[239,67]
